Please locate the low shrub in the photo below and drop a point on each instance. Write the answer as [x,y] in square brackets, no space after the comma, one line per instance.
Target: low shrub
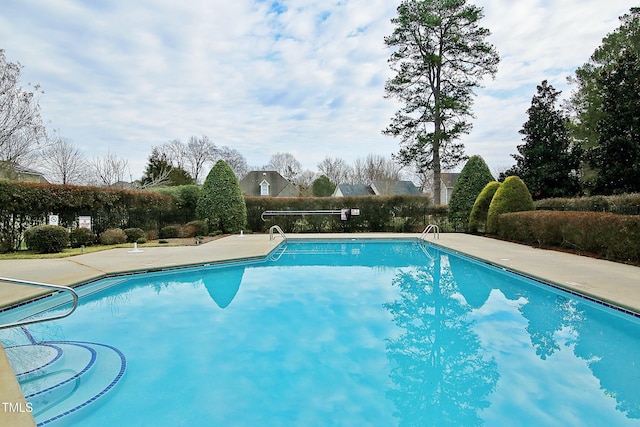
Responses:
[46,239]
[6,242]
[200,228]
[113,236]
[142,240]
[133,234]
[611,236]
[186,231]
[81,237]
[170,232]
[151,235]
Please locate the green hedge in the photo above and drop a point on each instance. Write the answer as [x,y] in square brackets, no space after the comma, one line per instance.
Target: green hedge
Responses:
[23,205]
[611,236]
[184,201]
[625,204]
[377,213]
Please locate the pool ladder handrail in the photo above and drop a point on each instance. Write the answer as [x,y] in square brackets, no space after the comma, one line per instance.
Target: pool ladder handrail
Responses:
[57,288]
[430,228]
[279,230]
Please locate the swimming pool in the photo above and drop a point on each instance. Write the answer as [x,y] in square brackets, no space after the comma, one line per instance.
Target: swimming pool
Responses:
[345,333]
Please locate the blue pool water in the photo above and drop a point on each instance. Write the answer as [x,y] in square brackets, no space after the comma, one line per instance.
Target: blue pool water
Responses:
[348,333]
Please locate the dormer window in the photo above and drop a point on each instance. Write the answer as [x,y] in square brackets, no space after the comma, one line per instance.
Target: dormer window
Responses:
[264,188]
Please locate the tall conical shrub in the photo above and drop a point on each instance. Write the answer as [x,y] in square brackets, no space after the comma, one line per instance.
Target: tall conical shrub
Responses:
[478,216]
[222,203]
[512,196]
[472,179]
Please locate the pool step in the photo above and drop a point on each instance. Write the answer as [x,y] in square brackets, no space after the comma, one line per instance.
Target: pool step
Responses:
[59,378]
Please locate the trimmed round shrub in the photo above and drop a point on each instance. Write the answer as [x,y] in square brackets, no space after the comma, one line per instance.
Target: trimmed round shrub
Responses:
[81,237]
[512,196]
[113,236]
[471,181]
[169,232]
[222,204]
[200,228]
[187,231]
[478,216]
[193,229]
[133,234]
[46,239]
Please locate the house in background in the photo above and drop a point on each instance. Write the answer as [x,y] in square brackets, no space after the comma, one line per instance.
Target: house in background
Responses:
[15,172]
[378,188]
[268,184]
[447,182]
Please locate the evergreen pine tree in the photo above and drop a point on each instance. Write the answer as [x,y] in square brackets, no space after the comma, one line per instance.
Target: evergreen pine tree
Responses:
[547,161]
[222,203]
[617,156]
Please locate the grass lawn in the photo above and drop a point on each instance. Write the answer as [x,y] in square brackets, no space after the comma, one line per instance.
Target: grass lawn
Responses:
[26,254]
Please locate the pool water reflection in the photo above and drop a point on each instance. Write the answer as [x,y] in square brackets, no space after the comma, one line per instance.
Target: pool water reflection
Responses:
[357,333]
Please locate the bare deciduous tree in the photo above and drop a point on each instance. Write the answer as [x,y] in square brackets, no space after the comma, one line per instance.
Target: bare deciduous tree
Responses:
[110,169]
[21,129]
[235,160]
[192,156]
[156,181]
[336,169]
[286,165]
[306,178]
[176,152]
[200,151]
[63,163]
[375,168]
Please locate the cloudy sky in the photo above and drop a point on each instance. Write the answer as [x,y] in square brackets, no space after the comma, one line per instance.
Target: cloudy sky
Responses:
[262,76]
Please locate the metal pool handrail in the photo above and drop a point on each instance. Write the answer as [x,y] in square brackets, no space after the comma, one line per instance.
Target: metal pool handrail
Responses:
[278,229]
[431,227]
[58,288]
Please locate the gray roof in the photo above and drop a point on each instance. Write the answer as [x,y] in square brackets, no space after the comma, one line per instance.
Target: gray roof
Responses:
[395,188]
[349,190]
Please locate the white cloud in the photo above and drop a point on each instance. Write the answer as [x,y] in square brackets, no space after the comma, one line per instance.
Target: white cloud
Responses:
[262,77]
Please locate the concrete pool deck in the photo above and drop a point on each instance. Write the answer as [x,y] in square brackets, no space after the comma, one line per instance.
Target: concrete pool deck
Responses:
[614,283]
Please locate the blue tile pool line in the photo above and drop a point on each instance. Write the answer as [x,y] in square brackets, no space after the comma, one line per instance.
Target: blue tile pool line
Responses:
[123,367]
[74,377]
